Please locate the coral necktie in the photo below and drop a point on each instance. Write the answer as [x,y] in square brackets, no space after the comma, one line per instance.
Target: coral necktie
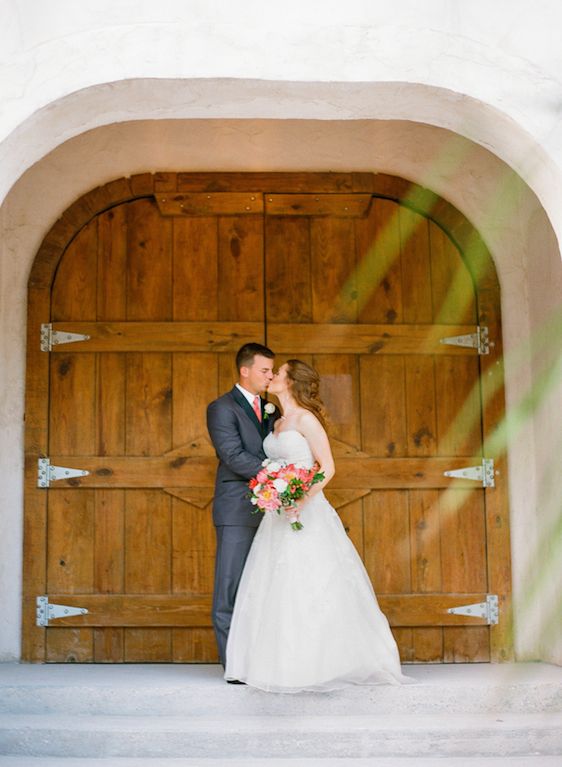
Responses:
[257,407]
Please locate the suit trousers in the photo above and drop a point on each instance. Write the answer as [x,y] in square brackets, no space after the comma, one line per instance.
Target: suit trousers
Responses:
[233,545]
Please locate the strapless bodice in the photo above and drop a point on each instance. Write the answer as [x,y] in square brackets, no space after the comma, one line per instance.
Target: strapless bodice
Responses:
[290,446]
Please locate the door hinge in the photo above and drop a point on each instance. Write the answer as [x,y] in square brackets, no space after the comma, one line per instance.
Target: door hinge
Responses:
[50,337]
[46,473]
[483,473]
[479,340]
[489,609]
[47,612]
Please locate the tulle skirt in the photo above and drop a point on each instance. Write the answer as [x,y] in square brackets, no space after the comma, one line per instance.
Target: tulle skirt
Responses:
[306,617]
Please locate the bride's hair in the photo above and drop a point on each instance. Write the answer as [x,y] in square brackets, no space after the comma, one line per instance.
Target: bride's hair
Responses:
[305,388]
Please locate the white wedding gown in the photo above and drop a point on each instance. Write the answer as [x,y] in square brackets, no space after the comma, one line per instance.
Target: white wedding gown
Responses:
[306,617]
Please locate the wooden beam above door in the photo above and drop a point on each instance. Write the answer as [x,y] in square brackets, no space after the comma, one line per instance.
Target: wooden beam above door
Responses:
[210,204]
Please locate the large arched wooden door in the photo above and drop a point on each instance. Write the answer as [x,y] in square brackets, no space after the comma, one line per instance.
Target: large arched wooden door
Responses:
[166,282]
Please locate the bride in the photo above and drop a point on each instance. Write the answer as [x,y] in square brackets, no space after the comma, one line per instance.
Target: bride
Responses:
[306,617]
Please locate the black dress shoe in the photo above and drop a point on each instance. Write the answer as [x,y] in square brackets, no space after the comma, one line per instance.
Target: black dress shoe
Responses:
[234,681]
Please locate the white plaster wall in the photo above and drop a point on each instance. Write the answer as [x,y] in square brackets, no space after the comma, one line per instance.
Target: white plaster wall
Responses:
[470,177]
[504,55]
[489,72]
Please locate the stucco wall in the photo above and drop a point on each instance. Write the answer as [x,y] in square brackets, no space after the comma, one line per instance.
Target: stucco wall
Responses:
[318,86]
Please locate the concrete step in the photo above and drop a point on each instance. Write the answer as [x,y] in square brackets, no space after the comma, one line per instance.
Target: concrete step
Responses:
[165,715]
[229,737]
[478,761]
[500,761]
[175,690]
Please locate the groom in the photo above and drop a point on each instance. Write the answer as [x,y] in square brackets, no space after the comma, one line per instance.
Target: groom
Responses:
[237,424]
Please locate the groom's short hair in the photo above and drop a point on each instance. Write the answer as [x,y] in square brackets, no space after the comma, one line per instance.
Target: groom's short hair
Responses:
[245,355]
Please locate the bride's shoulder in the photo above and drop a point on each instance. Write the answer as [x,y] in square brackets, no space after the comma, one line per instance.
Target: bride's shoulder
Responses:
[308,422]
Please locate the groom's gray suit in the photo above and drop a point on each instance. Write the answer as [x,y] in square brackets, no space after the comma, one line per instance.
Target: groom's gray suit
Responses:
[237,436]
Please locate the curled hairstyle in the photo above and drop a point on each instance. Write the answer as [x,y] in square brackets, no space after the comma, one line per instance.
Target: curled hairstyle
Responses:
[305,388]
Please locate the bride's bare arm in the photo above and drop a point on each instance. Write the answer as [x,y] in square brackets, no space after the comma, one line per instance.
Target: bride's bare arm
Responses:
[319,443]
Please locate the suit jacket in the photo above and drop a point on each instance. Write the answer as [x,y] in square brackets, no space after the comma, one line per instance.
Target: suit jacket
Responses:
[237,436]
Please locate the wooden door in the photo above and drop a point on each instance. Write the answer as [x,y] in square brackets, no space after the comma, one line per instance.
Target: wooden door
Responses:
[166,283]
[364,289]
[135,539]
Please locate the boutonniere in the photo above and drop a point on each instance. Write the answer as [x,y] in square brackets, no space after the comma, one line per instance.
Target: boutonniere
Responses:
[269,409]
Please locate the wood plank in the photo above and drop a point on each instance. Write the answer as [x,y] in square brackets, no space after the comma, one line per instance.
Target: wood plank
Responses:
[451,284]
[109,541]
[74,291]
[429,609]
[366,339]
[227,373]
[469,644]
[497,505]
[181,610]
[194,645]
[428,644]
[69,645]
[112,265]
[339,389]
[379,265]
[425,541]
[111,373]
[109,645]
[194,385]
[458,406]
[285,338]
[148,419]
[416,267]
[287,270]
[195,265]
[334,284]
[193,553]
[148,527]
[109,567]
[403,638]
[148,645]
[70,566]
[185,470]
[387,544]
[159,336]
[267,181]
[72,417]
[36,444]
[383,406]
[149,263]
[148,410]
[334,205]
[210,204]
[421,416]
[241,269]
[463,531]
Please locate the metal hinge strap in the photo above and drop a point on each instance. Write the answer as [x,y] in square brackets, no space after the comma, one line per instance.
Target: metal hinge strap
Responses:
[50,337]
[47,612]
[479,340]
[483,473]
[46,473]
[489,609]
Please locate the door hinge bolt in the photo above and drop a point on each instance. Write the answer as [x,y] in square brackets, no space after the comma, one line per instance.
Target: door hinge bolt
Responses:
[479,340]
[50,337]
[46,612]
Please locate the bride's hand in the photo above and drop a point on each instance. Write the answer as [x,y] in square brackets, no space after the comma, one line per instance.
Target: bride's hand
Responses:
[293,512]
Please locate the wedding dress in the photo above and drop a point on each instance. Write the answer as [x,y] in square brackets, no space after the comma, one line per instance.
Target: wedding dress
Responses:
[306,617]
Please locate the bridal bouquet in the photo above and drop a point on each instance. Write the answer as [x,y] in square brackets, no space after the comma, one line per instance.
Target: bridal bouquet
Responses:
[280,485]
